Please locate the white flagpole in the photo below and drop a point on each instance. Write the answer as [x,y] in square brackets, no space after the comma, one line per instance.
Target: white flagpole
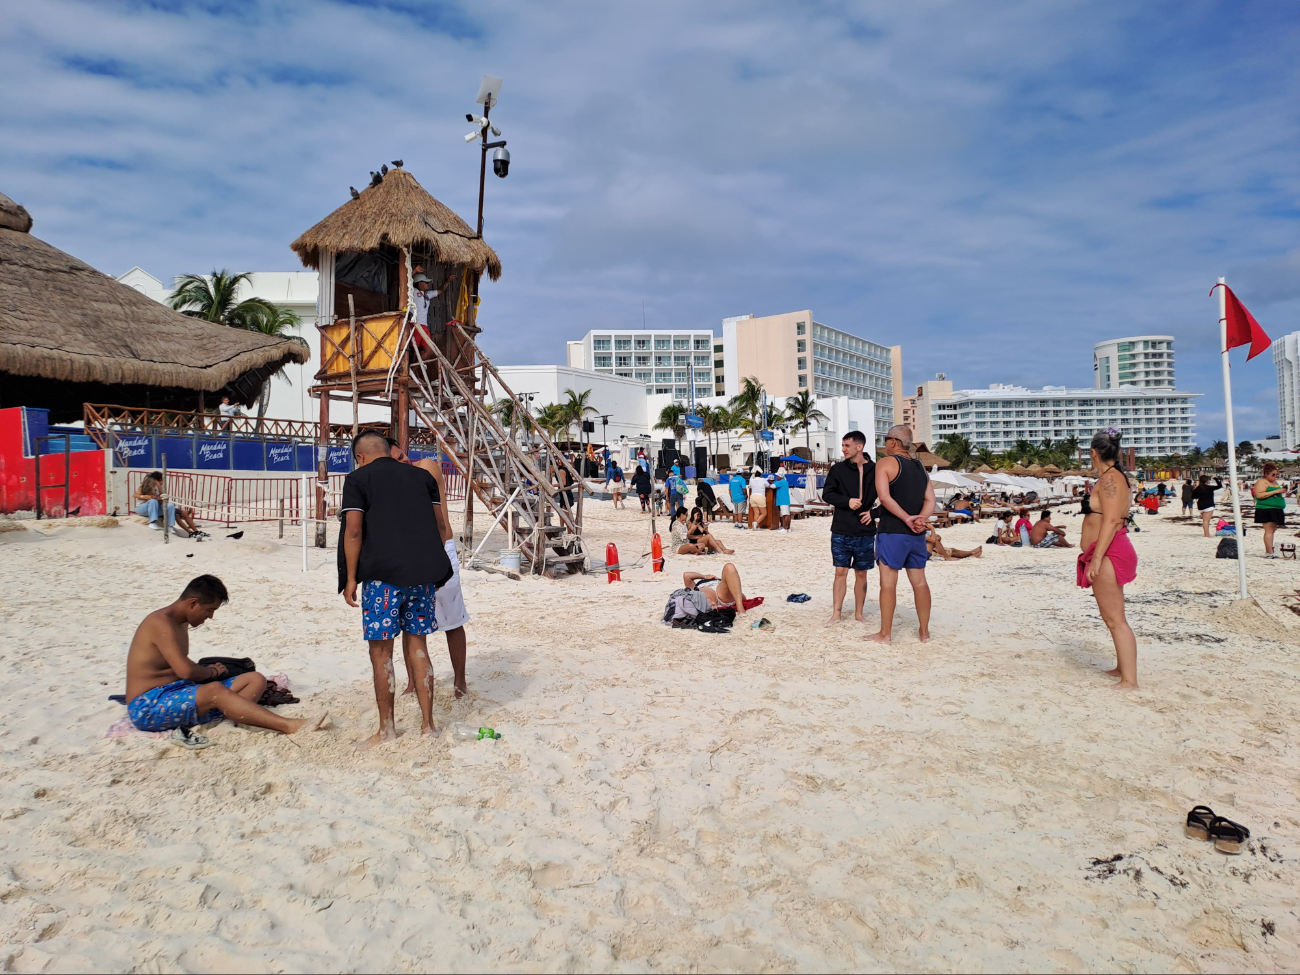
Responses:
[1232,445]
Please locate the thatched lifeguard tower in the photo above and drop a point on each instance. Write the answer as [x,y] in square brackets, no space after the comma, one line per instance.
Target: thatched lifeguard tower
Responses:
[433,378]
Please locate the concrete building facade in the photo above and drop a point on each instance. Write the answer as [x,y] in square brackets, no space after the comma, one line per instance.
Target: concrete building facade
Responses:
[1154,421]
[671,362]
[1145,361]
[1286,358]
[791,353]
[928,393]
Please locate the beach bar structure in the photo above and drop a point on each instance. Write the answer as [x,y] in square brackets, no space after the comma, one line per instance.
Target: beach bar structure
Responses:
[72,336]
[440,388]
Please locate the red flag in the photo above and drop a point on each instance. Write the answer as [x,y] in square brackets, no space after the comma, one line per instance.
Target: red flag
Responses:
[1242,327]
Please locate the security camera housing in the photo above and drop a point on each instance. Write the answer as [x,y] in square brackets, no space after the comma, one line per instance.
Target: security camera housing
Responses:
[501,162]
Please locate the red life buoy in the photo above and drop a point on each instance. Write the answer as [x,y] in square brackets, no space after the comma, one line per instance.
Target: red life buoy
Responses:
[656,553]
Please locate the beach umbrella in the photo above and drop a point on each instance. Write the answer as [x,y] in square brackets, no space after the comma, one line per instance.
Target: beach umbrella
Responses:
[952,479]
[1018,470]
[984,469]
[1051,470]
[928,459]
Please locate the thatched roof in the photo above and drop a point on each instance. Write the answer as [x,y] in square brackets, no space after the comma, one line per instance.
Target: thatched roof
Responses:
[1018,470]
[61,319]
[984,469]
[401,212]
[928,459]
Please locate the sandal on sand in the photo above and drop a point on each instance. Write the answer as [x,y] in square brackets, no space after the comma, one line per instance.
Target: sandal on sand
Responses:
[194,741]
[1227,835]
[1198,822]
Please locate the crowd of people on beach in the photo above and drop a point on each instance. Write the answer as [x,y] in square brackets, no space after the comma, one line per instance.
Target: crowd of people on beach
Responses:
[398,563]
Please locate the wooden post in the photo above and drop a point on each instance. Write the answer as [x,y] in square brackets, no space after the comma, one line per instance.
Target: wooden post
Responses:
[162,504]
[352,363]
[282,517]
[322,466]
[467,533]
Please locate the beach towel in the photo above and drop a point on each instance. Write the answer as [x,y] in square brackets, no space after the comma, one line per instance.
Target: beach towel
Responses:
[1121,554]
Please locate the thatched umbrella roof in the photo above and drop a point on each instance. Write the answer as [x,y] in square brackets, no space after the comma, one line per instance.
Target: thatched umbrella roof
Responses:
[928,459]
[1018,470]
[1036,469]
[60,319]
[1052,470]
[401,212]
[984,469]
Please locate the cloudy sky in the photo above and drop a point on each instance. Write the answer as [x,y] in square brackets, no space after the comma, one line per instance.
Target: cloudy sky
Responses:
[995,186]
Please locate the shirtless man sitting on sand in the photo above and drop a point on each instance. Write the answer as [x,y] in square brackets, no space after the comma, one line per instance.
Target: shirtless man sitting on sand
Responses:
[163,686]
[1046,535]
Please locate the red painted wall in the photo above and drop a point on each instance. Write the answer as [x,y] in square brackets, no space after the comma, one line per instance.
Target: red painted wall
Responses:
[86,475]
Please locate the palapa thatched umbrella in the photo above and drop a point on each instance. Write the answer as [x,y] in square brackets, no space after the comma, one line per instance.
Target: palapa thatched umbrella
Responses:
[984,469]
[1036,470]
[928,459]
[1018,470]
[1051,470]
[70,335]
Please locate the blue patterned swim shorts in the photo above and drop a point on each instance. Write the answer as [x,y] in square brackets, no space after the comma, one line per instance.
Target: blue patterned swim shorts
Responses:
[388,610]
[170,706]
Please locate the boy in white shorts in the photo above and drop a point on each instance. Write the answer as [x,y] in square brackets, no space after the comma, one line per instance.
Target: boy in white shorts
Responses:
[449,611]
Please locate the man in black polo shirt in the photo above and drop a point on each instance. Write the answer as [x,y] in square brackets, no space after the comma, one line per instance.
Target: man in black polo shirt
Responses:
[851,489]
[391,544]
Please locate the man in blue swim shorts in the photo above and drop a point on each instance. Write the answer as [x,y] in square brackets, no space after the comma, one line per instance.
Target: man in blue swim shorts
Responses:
[906,503]
[166,690]
[392,549]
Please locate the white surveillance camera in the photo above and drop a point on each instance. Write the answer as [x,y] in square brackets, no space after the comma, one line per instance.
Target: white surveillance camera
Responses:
[496,131]
[471,137]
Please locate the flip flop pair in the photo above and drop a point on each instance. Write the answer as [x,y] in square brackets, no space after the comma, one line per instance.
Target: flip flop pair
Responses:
[1227,836]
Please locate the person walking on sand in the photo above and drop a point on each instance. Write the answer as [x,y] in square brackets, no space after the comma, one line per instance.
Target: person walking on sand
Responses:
[1270,505]
[1203,494]
[1187,497]
[393,549]
[906,502]
[757,498]
[739,498]
[850,489]
[166,690]
[1108,562]
[450,615]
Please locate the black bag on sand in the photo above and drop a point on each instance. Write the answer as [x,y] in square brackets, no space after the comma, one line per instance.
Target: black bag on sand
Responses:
[1227,548]
[234,666]
[714,621]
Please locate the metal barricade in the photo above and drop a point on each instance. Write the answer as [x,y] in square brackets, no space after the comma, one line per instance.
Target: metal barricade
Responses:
[239,500]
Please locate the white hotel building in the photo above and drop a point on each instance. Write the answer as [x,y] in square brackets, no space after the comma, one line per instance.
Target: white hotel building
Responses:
[1154,421]
[1286,357]
[668,361]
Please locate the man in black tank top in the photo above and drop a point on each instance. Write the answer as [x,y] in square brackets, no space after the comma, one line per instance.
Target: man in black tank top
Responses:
[906,503]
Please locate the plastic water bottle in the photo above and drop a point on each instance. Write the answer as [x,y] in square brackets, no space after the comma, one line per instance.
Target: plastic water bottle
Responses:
[463,732]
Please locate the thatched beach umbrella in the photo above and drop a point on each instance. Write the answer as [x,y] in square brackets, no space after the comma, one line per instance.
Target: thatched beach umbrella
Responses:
[1051,470]
[928,459]
[1018,470]
[984,469]
[70,334]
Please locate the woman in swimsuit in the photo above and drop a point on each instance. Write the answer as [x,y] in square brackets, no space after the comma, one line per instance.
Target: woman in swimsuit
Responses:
[1108,561]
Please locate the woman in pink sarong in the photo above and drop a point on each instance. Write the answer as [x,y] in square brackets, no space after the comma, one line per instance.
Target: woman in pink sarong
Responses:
[1108,562]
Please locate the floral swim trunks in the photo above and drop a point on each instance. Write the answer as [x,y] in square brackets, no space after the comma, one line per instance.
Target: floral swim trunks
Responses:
[388,610]
[170,706]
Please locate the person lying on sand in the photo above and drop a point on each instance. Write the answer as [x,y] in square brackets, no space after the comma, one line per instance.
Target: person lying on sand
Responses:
[1046,535]
[167,690]
[722,593]
[934,543]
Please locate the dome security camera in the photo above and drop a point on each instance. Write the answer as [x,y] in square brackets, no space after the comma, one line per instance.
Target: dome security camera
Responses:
[501,162]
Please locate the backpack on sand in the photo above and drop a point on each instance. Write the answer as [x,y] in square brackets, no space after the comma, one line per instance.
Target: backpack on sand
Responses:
[1227,548]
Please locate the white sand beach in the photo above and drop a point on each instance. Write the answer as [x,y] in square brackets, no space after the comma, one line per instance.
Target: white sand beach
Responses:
[660,800]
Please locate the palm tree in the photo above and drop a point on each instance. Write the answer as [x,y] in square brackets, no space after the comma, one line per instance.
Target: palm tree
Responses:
[1245,450]
[801,410]
[576,408]
[277,321]
[716,421]
[986,456]
[1022,451]
[551,419]
[746,406]
[213,300]
[673,417]
[1195,457]
[1070,448]
[955,448]
[1218,451]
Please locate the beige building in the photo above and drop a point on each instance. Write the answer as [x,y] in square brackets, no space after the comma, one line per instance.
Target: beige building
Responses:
[908,418]
[792,353]
[928,393]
